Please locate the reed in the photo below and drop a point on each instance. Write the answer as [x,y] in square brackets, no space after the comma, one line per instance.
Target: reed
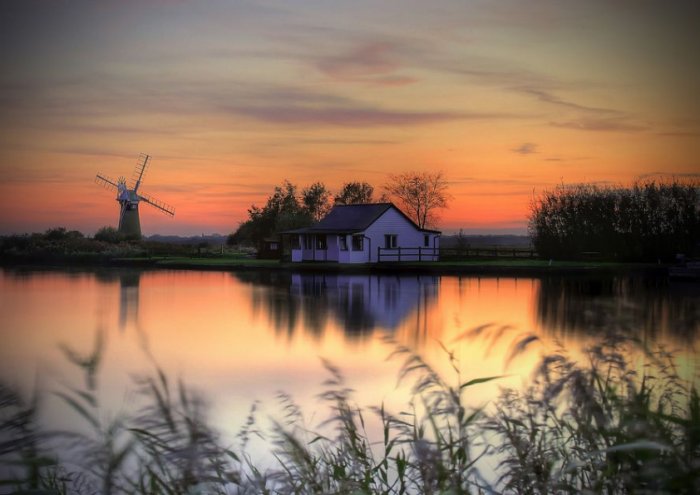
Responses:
[603,425]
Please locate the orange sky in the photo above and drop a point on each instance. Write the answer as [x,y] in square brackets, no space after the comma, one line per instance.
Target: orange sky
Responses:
[508,98]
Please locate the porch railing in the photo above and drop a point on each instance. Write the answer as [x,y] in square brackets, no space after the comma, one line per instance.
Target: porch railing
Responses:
[407,254]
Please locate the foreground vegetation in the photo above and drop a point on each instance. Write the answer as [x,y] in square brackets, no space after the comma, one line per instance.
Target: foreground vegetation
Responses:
[598,425]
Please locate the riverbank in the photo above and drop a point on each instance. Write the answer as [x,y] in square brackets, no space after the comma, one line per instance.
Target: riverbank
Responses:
[494,267]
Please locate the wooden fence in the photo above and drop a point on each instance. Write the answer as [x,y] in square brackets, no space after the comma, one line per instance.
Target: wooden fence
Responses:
[487,252]
[451,254]
[407,254]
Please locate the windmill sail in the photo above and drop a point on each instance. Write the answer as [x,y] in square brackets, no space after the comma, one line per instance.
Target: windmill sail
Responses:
[106,182]
[161,205]
[129,198]
[139,170]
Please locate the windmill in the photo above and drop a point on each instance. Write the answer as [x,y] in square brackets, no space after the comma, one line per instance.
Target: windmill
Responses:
[129,198]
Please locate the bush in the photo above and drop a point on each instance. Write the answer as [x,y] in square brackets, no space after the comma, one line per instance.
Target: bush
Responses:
[110,235]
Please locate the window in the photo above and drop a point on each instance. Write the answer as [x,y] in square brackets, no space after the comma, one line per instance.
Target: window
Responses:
[426,240]
[308,242]
[321,242]
[343,242]
[390,241]
[357,243]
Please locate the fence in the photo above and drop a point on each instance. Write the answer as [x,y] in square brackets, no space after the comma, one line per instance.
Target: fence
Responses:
[408,254]
[487,252]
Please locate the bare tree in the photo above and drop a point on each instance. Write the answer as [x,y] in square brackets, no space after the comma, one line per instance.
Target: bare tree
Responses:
[354,193]
[419,194]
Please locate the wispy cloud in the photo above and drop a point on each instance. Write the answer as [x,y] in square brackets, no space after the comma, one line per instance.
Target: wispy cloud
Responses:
[682,134]
[543,89]
[524,180]
[600,125]
[546,96]
[353,116]
[525,149]
[374,62]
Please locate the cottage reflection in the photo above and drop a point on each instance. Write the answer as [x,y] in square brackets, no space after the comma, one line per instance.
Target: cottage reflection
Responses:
[358,304]
[651,306]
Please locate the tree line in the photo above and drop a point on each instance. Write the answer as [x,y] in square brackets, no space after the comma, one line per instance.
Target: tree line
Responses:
[418,194]
[648,221]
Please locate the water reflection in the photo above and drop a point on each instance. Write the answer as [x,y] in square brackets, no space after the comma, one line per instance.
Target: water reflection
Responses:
[649,307]
[129,282]
[358,304]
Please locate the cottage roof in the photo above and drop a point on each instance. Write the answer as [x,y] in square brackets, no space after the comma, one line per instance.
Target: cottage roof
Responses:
[348,219]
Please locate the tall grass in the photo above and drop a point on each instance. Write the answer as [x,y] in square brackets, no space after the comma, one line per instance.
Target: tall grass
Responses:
[600,427]
[606,425]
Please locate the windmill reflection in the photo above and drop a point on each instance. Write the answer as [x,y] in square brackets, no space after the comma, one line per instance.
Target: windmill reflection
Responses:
[129,299]
[650,307]
[358,304]
[129,282]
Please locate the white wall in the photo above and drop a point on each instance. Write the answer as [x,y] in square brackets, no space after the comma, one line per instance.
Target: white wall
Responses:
[407,236]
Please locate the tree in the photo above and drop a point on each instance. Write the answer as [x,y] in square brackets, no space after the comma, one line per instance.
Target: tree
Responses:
[648,221]
[419,194]
[354,193]
[316,200]
[283,211]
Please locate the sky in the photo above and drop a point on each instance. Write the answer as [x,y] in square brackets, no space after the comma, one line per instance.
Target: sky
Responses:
[508,98]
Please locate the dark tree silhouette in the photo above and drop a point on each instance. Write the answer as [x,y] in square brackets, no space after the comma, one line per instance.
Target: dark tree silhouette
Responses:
[316,200]
[283,211]
[354,193]
[647,221]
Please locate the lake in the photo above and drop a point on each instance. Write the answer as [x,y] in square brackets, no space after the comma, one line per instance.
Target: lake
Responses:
[240,338]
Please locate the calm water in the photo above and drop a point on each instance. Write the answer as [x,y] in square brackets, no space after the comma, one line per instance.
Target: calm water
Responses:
[241,337]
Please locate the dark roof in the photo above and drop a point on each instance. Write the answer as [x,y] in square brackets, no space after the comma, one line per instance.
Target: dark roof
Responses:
[347,219]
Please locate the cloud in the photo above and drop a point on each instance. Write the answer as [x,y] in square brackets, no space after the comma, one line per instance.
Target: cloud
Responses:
[349,141]
[679,134]
[373,62]
[393,81]
[368,59]
[548,97]
[355,55]
[542,88]
[600,125]
[481,182]
[351,116]
[525,149]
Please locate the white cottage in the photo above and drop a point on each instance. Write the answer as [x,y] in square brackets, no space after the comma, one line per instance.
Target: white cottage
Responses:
[365,233]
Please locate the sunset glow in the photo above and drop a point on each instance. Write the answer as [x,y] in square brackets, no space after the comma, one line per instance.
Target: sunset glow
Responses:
[507,98]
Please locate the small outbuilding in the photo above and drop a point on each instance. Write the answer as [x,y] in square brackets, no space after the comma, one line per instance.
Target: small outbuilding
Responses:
[364,233]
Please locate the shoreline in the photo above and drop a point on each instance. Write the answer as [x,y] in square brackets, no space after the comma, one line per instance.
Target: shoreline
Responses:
[488,267]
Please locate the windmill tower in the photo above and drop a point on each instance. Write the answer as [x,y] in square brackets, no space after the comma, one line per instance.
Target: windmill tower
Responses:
[129,198]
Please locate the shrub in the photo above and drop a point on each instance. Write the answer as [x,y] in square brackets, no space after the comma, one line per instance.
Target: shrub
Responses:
[110,235]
